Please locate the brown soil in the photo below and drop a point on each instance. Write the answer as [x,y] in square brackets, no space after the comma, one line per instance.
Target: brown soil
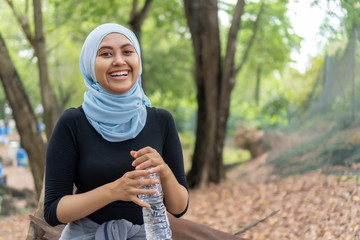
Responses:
[16,227]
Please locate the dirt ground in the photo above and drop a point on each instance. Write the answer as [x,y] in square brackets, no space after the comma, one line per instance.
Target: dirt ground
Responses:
[311,206]
[16,227]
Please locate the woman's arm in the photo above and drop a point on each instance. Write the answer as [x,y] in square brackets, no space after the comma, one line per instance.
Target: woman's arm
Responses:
[176,196]
[74,207]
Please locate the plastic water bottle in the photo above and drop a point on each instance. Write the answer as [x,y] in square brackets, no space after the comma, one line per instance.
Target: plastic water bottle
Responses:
[156,221]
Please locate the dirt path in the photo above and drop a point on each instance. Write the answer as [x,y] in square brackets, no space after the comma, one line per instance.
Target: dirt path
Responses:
[312,206]
[14,227]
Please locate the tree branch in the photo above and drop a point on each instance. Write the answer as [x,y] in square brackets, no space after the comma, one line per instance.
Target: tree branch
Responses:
[252,39]
[146,7]
[228,70]
[235,25]
[24,23]
[50,232]
[138,17]
[244,229]
[133,10]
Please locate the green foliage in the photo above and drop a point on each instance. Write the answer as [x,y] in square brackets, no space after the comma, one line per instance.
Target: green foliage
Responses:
[182,109]
[82,16]
[347,11]
[276,110]
[168,62]
[167,56]
[21,53]
[234,155]
[275,37]
[270,54]
[187,139]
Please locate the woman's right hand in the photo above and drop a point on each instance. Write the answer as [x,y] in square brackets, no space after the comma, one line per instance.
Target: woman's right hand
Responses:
[127,188]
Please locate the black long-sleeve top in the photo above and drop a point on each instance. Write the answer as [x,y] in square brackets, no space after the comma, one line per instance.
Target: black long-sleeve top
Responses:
[77,154]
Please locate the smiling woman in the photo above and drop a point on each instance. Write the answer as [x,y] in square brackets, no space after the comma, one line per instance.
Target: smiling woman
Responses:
[117,64]
[109,145]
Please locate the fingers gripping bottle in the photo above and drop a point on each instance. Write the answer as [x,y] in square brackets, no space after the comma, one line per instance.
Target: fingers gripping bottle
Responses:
[156,221]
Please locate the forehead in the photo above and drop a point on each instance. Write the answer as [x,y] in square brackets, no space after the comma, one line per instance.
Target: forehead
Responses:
[115,39]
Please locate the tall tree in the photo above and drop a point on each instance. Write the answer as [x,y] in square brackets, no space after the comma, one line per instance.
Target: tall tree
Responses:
[31,138]
[51,106]
[52,109]
[215,79]
[24,116]
[26,122]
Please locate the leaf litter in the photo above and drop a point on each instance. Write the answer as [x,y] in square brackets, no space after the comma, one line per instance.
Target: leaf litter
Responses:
[311,206]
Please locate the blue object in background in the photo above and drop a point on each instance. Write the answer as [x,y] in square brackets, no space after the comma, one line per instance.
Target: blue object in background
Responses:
[2,130]
[41,127]
[1,175]
[22,157]
[7,130]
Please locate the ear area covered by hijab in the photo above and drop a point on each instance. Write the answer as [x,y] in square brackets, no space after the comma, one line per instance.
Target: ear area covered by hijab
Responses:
[116,117]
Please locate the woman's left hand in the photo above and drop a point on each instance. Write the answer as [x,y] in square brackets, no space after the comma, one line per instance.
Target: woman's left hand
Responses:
[148,157]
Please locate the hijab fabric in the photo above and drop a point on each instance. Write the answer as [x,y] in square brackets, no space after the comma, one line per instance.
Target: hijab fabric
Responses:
[116,117]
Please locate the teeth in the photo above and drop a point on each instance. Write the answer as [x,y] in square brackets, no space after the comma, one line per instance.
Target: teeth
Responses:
[121,73]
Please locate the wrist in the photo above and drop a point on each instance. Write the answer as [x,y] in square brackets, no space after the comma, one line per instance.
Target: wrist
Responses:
[166,174]
[108,192]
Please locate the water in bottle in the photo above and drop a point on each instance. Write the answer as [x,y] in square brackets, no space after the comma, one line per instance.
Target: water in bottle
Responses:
[156,222]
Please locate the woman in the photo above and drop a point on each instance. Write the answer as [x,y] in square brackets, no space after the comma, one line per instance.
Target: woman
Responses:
[106,145]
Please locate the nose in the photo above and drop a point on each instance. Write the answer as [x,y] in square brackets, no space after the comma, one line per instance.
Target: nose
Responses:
[118,60]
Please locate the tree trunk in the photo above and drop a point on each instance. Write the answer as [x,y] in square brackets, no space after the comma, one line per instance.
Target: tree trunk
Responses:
[203,23]
[214,83]
[136,21]
[49,101]
[26,123]
[257,85]
[52,110]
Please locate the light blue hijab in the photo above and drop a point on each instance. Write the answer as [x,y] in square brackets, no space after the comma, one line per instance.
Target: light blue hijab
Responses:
[117,117]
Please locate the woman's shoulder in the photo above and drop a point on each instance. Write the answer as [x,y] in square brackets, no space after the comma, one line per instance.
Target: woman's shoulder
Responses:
[72,114]
[159,113]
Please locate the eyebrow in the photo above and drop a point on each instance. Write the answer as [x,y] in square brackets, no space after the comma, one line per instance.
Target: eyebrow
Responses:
[109,47]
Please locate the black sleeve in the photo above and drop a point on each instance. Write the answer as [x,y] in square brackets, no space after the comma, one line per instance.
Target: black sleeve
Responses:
[61,158]
[172,152]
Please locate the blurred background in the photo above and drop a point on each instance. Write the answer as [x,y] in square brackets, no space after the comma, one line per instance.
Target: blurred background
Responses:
[285,87]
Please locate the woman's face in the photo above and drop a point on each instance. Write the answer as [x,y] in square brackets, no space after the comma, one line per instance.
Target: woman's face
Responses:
[117,64]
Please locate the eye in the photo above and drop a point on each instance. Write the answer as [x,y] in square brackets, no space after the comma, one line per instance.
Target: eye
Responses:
[128,52]
[105,54]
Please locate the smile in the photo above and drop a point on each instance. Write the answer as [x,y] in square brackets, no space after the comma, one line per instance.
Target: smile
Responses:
[120,73]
